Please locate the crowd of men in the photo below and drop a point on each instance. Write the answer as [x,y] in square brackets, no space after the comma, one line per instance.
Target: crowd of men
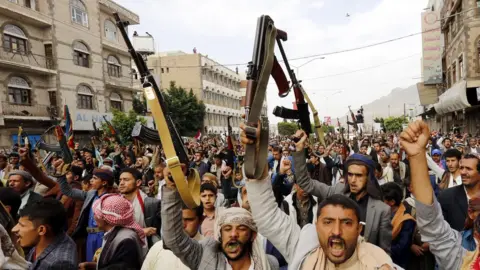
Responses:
[383,201]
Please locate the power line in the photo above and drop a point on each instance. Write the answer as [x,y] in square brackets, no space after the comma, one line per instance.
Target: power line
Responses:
[362,69]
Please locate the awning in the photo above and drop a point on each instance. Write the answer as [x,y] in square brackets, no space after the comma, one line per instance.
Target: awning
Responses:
[453,99]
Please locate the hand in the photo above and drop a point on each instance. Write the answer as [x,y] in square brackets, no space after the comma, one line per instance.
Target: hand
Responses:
[414,138]
[169,182]
[426,246]
[300,145]
[87,265]
[58,164]
[150,231]
[285,166]
[417,250]
[23,153]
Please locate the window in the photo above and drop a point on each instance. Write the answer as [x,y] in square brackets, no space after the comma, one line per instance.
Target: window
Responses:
[81,54]
[110,31]
[460,67]
[85,97]
[114,67]
[30,4]
[79,12]
[19,91]
[168,70]
[14,39]
[454,73]
[13,1]
[163,71]
[115,101]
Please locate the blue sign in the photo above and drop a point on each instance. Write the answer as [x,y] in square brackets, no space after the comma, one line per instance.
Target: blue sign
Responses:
[33,139]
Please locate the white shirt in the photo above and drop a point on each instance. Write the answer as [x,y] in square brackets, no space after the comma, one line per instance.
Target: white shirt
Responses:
[25,197]
[458,181]
[161,183]
[473,150]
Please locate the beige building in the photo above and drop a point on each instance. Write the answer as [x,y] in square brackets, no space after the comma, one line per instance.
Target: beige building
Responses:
[58,52]
[217,85]
[457,103]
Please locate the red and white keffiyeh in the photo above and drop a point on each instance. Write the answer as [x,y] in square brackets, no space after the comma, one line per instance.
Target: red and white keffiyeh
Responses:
[117,211]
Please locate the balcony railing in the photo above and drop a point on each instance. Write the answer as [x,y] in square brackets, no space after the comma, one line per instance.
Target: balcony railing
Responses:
[29,59]
[12,109]
[123,81]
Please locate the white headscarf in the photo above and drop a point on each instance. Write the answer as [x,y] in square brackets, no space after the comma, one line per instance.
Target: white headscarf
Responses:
[238,215]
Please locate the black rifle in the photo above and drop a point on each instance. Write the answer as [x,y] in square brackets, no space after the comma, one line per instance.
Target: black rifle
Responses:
[147,79]
[145,134]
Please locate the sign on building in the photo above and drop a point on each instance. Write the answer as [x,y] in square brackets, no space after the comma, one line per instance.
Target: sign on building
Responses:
[432,48]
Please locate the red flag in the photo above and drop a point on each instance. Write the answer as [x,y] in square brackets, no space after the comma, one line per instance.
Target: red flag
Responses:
[199,135]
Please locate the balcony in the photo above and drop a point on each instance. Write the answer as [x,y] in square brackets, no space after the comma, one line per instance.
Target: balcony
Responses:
[27,62]
[25,14]
[121,83]
[26,112]
[110,7]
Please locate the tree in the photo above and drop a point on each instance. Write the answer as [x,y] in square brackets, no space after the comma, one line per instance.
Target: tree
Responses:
[287,128]
[139,106]
[123,124]
[381,121]
[394,124]
[186,111]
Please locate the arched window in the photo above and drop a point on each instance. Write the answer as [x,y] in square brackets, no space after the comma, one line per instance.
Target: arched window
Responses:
[19,91]
[116,101]
[110,31]
[85,97]
[114,67]
[14,39]
[79,12]
[81,54]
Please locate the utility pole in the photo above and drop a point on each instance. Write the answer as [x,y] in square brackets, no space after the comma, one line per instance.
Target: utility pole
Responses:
[404,110]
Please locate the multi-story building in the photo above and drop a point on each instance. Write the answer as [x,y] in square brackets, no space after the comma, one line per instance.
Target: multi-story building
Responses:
[216,85]
[61,52]
[458,100]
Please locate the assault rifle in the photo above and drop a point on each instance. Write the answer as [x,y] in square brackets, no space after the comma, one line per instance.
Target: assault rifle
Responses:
[263,64]
[145,134]
[172,143]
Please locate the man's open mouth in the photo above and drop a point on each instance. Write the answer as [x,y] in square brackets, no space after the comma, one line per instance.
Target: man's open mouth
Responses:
[337,246]
[232,247]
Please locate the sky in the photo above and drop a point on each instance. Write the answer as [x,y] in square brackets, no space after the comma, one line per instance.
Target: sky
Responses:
[225,31]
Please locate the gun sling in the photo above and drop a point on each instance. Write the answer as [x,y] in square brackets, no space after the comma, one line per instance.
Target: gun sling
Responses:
[318,125]
[255,161]
[190,190]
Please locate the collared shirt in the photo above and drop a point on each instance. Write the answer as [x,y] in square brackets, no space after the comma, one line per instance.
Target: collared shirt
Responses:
[454,182]
[25,196]
[229,267]
[473,150]
[208,225]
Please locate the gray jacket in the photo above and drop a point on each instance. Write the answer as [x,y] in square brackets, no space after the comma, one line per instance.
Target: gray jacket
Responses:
[378,227]
[445,242]
[204,254]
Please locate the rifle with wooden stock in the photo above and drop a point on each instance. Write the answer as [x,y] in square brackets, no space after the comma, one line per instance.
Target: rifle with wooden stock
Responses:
[263,64]
[172,143]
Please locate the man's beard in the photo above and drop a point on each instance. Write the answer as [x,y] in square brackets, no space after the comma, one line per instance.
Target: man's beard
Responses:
[246,247]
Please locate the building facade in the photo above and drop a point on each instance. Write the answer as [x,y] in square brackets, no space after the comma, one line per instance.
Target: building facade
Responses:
[61,52]
[216,85]
[457,102]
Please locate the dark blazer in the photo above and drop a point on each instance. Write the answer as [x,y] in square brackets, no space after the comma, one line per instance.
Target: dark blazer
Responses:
[454,206]
[122,247]
[34,197]
[153,217]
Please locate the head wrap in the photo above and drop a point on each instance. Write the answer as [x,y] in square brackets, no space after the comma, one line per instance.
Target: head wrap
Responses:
[240,216]
[436,152]
[117,211]
[373,188]
[26,175]
[14,154]
[104,174]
